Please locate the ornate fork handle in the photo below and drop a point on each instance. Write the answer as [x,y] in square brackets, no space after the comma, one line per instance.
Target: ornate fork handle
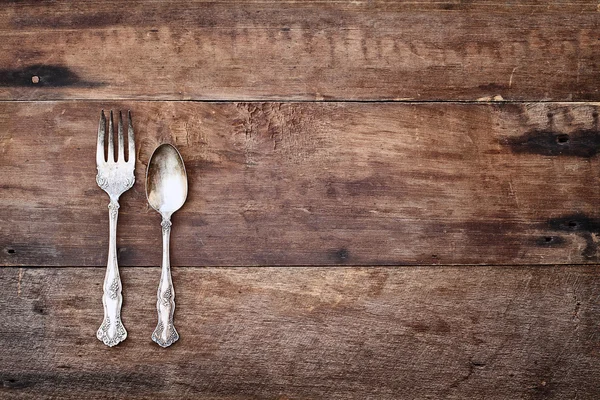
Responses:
[112,331]
[165,333]
[115,176]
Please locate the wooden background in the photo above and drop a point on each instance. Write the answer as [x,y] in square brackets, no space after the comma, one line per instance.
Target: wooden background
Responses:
[388,200]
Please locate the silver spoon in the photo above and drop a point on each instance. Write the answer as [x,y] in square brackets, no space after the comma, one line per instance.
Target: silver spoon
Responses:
[166,189]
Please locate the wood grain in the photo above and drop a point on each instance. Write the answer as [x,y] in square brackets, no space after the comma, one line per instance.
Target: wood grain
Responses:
[308,333]
[309,50]
[311,184]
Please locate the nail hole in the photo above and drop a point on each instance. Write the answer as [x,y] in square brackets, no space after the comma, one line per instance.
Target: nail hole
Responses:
[434,256]
[343,254]
[35,79]
[38,309]
[551,241]
[550,115]
[562,139]
[11,251]
[594,114]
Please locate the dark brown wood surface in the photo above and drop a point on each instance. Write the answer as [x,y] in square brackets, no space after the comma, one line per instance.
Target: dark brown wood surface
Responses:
[308,333]
[311,184]
[310,50]
[409,189]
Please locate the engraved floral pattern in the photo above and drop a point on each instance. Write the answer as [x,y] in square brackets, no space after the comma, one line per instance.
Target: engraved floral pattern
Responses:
[165,305]
[166,225]
[172,335]
[114,289]
[102,181]
[166,297]
[113,209]
[120,332]
[114,183]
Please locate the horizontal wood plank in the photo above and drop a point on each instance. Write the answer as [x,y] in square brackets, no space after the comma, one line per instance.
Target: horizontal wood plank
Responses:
[311,184]
[308,333]
[309,50]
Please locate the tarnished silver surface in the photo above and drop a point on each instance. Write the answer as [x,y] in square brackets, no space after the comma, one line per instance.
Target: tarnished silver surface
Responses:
[166,189]
[114,177]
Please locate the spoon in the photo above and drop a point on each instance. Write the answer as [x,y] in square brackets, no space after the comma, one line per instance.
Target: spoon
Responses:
[166,190]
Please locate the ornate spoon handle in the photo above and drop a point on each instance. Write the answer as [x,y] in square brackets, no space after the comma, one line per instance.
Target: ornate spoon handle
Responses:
[112,331]
[165,333]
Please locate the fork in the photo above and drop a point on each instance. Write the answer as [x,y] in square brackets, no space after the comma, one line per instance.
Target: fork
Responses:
[114,177]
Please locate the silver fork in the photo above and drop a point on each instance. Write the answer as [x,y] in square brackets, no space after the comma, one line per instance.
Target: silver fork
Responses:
[115,178]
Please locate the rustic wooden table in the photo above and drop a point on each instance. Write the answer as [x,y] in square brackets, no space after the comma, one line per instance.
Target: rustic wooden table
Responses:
[388,200]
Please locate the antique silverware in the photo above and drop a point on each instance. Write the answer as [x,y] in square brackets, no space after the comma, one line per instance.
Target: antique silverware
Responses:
[114,177]
[166,189]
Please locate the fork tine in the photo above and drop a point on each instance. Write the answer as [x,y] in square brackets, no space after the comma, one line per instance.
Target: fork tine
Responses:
[100,145]
[111,139]
[121,150]
[130,139]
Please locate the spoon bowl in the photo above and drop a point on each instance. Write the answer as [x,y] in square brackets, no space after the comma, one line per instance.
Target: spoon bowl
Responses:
[166,180]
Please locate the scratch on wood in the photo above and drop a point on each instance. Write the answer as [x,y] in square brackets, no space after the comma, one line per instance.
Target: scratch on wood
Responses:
[19,283]
[576,311]
[303,209]
[187,133]
[286,132]
[513,193]
[510,81]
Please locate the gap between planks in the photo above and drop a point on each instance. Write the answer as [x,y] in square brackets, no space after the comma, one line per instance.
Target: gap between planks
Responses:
[275,100]
[337,266]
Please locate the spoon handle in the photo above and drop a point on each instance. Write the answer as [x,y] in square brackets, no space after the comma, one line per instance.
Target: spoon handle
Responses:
[112,331]
[165,333]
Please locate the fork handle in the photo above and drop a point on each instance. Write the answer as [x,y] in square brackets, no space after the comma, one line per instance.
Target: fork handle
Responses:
[165,334]
[112,331]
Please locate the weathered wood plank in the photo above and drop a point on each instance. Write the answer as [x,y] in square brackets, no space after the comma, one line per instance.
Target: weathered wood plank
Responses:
[311,184]
[343,50]
[308,333]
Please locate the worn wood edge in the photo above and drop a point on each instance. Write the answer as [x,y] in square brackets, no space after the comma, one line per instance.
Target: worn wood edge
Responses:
[445,6]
